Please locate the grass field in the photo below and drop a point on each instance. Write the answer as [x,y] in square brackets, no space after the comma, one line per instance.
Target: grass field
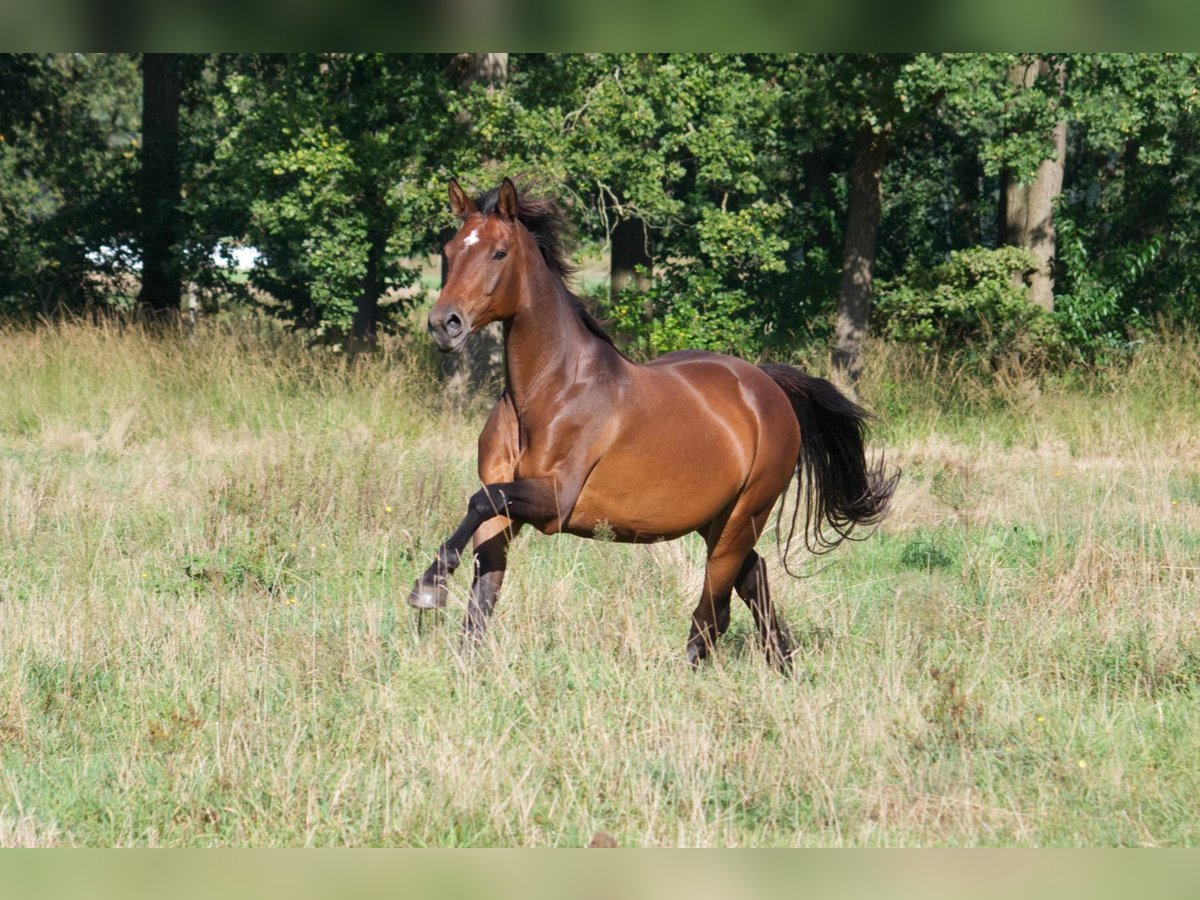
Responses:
[205,548]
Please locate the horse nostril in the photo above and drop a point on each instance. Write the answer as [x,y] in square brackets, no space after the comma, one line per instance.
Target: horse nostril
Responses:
[454,325]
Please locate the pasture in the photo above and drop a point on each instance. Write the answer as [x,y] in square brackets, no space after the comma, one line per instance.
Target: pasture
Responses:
[205,548]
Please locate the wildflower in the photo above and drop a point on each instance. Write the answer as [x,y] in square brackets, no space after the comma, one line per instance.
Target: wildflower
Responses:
[1041,718]
[291,601]
[145,574]
[1082,764]
[387,509]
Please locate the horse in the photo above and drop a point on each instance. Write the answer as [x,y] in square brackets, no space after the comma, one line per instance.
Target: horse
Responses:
[585,441]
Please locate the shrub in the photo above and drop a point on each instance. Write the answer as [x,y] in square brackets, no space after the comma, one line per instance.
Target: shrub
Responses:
[974,303]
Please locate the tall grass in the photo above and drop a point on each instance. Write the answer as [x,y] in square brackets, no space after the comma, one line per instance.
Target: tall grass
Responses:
[206,545]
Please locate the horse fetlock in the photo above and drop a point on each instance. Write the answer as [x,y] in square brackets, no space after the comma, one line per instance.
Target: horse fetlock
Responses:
[697,649]
[448,558]
[780,660]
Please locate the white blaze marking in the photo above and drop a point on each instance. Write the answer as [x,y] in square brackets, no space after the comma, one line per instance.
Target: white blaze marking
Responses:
[472,238]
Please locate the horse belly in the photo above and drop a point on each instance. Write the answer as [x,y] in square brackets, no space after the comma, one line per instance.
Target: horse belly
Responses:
[660,489]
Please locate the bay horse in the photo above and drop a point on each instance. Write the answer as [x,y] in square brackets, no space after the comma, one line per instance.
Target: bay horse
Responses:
[585,441]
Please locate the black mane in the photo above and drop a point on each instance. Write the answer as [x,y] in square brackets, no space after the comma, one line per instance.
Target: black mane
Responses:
[548,223]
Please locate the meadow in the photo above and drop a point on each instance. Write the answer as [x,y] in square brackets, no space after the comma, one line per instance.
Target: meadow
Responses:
[205,546]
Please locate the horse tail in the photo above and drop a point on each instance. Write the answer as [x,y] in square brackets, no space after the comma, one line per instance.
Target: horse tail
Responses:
[840,490]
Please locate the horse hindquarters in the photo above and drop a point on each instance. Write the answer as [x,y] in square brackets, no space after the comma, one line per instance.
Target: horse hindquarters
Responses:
[840,490]
[773,440]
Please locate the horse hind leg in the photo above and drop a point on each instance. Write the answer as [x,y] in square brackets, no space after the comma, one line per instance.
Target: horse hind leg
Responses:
[711,615]
[752,587]
[729,538]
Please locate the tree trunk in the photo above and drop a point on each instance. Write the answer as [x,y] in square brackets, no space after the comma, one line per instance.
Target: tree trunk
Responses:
[1043,194]
[366,306]
[480,365]
[160,186]
[858,259]
[1014,195]
[630,248]
[1027,210]
[470,68]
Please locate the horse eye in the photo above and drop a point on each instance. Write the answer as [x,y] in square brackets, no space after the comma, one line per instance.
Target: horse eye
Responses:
[500,254]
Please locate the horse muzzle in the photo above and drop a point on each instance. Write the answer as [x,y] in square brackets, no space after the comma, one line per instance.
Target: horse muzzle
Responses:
[448,328]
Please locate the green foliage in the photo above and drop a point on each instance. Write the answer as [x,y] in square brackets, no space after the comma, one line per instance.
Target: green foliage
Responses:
[1098,309]
[331,154]
[690,304]
[333,166]
[1127,220]
[692,309]
[974,304]
[69,128]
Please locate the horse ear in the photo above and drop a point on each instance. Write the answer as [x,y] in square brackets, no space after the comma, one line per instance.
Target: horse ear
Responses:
[460,204]
[506,203]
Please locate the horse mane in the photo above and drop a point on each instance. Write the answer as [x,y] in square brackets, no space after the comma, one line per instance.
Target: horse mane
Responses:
[551,230]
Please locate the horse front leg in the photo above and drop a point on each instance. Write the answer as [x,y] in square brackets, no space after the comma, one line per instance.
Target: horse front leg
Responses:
[430,590]
[491,559]
[532,500]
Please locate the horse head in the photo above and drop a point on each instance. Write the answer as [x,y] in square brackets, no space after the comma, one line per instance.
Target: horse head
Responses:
[485,260]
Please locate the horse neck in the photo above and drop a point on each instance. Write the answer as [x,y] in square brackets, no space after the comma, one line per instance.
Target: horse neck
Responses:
[547,348]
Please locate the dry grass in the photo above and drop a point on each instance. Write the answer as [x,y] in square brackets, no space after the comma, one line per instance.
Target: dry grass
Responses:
[207,546]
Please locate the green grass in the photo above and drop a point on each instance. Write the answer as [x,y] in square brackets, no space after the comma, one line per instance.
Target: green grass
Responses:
[207,545]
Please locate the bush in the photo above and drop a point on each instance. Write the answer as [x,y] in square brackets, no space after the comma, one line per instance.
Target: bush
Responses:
[686,310]
[1096,307]
[974,303]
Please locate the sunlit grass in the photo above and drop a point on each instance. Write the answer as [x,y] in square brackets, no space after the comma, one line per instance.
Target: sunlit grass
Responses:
[207,544]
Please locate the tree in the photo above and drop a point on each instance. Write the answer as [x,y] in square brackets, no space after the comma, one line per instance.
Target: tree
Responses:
[857,96]
[1131,203]
[768,190]
[940,118]
[858,262]
[69,126]
[334,157]
[675,141]
[629,261]
[1027,207]
[161,228]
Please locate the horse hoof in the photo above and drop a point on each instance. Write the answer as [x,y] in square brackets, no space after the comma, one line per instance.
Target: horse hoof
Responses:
[428,595]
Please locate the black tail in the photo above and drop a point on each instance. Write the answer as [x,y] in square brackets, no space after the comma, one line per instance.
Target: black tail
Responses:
[840,491]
